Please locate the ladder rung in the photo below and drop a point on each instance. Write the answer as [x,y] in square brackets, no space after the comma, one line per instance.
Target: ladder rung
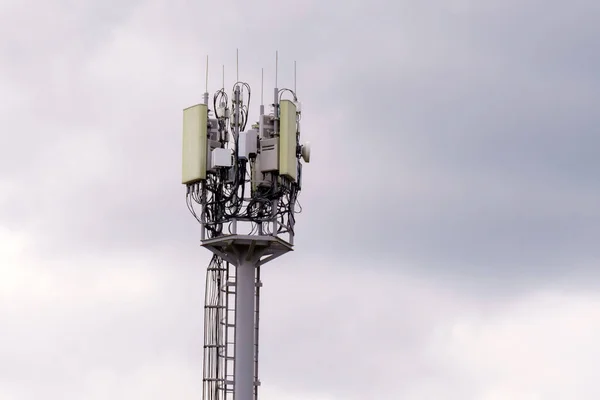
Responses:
[214,379]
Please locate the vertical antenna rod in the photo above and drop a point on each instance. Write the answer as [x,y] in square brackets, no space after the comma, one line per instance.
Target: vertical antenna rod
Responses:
[276,98]
[261,120]
[206,83]
[294,77]
[223,75]
[237,65]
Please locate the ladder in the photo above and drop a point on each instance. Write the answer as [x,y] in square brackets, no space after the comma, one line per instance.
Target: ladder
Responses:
[219,331]
[227,351]
[219,382]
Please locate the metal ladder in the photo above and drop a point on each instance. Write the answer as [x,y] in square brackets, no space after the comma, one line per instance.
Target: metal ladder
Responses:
[214,387]
[227,351]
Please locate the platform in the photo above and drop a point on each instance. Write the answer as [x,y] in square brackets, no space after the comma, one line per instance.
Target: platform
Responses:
[256,249]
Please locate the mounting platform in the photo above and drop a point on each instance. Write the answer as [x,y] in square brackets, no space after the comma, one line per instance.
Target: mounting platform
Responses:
[237,249]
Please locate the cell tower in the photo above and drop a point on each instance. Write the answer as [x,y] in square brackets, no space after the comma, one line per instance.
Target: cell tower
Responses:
[246,183]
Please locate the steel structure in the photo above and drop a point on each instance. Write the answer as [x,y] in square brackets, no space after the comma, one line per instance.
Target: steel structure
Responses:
[242,187]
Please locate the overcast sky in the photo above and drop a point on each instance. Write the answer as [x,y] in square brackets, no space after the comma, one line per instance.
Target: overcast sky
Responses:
[448,247]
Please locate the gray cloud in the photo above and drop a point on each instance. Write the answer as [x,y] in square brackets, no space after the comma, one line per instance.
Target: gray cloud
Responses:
[454,149]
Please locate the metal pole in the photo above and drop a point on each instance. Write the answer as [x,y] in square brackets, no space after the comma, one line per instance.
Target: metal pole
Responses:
[244,331]
[206,84]
[257,284]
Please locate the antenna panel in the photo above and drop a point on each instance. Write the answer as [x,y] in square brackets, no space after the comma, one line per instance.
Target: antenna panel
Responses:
[288,164]
[195,124]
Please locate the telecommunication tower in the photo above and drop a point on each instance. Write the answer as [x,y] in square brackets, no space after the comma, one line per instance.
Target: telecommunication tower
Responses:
[246,183]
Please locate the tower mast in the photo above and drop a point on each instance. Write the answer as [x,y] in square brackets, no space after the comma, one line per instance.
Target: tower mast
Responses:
[242,186]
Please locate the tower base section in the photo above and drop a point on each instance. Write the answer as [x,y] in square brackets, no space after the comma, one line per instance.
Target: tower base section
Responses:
[247,253]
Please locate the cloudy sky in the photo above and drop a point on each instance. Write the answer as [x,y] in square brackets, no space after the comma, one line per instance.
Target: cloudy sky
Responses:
[448,243]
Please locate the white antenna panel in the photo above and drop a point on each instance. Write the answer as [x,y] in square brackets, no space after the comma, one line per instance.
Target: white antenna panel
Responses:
[288,164]
[195,124]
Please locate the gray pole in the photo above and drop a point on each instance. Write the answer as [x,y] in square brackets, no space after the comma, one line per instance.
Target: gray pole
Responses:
[244,331]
